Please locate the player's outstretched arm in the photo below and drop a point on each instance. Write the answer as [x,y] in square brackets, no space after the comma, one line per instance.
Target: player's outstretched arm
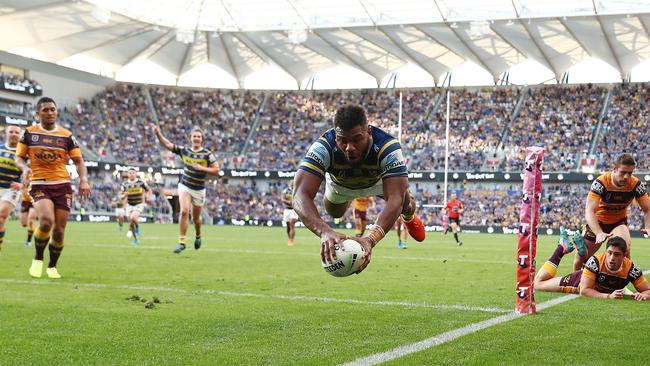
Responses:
[395,191]
[84,186]
[643,293]
[306,186]
[162,139]
[590,217]
[588,289]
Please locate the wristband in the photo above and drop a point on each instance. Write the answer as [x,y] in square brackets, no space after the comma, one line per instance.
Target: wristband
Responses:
[375,234]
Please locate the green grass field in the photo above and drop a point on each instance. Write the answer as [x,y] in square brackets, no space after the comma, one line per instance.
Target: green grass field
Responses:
[246,298]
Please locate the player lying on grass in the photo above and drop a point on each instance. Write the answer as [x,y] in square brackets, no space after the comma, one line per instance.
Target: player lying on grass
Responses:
[605,275]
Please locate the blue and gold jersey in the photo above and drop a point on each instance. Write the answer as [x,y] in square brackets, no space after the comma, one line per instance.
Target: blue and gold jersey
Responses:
[9,172]
[135,190]
[192,178]
[383,159]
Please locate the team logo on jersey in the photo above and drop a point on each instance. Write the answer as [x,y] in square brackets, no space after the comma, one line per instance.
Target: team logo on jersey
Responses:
[641,189]
[35,138]
[635,272]
[597,187]
[592,265]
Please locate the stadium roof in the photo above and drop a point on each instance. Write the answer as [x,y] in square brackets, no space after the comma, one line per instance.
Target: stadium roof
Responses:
[301,38]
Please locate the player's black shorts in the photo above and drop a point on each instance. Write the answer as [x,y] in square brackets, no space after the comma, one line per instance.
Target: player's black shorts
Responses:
[455,219]
[607,228]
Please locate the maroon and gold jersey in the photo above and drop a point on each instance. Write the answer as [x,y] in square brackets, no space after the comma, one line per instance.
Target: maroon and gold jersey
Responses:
[48,153]
[612,200]
[607,281]
[361,203]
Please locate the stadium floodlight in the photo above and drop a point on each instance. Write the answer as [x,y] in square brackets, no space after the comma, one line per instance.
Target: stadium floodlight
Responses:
[102,14]
[297,35]
[479,28]
[185,35]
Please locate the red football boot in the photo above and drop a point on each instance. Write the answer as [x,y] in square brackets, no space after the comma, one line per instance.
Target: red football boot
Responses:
[415,228]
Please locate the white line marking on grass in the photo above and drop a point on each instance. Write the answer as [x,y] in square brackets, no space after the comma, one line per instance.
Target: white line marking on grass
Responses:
[448,336]
[407,304]
[279,252]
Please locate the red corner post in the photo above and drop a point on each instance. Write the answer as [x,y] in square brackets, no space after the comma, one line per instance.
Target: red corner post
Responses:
[528,219]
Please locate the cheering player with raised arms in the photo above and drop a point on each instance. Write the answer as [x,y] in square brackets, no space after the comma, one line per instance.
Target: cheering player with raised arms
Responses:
[198,162]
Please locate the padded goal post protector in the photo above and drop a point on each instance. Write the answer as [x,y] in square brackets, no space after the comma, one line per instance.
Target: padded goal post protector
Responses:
[527,236]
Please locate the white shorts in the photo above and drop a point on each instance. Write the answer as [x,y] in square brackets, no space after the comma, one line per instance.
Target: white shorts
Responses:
[10,195]
[289,214]
[198,197]
[337,194]
[120,211]
[140,207]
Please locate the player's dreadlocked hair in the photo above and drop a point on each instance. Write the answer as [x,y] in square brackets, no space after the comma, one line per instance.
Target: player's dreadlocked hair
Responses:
[350,116]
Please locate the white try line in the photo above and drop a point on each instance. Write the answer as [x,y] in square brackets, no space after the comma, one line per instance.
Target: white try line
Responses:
[279,252]
[447,336]
[407,304]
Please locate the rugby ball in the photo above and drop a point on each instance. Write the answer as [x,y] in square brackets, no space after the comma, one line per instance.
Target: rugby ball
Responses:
[349,257]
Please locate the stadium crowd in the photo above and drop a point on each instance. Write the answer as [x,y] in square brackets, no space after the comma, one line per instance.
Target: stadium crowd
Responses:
[115,125]
[31,86]
[560,118]
[625,125]
[482,134]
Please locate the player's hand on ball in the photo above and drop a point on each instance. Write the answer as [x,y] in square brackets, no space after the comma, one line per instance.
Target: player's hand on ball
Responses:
[327,242]
[366,243]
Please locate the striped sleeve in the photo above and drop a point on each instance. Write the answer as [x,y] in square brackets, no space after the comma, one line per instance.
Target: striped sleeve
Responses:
[391,160]
[317,160]
[211,159]
[178,150]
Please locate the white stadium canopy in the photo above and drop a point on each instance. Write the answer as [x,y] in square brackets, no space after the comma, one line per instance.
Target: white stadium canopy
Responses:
[290,44]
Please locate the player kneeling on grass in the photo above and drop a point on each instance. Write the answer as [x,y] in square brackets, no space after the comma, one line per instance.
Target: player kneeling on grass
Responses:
[605,275]
[355,160]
